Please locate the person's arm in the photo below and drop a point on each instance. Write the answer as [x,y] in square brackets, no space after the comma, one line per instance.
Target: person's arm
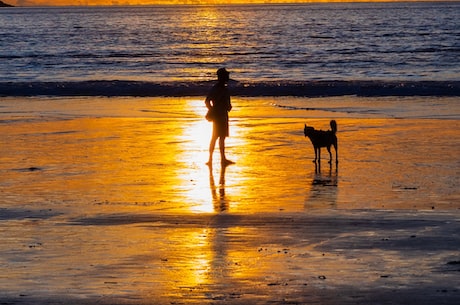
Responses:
[229,100]
[210,98]
[208,102]
[229,104]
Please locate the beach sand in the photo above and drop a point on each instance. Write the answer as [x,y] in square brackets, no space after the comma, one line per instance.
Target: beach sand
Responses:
[109,201]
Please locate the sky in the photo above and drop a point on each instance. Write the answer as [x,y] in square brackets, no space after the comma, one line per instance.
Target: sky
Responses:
[146,2]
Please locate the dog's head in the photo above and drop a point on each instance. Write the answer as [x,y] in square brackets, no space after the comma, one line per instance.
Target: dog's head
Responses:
[307,130]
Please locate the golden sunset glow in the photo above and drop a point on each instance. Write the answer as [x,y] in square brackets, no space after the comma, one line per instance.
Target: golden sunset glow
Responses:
[205,186]
[167,2]
[131,2]
[194,141]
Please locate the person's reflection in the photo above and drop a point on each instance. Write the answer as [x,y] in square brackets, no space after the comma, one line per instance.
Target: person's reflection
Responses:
[218,192]
[323,190]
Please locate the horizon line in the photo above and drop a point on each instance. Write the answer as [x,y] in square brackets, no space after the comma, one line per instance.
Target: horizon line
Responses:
[224,3]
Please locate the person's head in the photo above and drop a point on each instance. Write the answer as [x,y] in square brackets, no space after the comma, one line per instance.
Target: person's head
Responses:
[223,75]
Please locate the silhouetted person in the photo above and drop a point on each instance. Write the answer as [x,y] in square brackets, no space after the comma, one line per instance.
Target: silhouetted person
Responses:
[218,104]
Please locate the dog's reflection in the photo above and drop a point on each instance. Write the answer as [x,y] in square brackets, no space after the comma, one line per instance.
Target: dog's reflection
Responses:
[330,179]
[324,187]
[219,200]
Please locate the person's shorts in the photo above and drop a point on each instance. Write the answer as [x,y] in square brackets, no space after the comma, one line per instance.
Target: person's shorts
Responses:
[220,127]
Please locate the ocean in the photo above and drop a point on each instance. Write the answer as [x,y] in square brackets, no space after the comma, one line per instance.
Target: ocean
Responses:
[382,49]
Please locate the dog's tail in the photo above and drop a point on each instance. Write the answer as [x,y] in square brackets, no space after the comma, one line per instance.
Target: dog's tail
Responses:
[333,124]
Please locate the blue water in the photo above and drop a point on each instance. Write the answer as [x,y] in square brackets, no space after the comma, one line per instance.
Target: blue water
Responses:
[309,49]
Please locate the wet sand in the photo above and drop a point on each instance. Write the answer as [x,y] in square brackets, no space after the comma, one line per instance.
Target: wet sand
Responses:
[109,201]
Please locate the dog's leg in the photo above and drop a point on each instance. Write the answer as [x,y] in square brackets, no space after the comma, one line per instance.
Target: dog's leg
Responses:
[314,148]
[336,147]
[336,154]
[330,154]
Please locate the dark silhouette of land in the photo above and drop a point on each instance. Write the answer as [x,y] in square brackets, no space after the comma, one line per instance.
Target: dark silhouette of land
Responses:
[3,4]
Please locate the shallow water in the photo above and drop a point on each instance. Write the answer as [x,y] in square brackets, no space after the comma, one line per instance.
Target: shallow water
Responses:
[149,154]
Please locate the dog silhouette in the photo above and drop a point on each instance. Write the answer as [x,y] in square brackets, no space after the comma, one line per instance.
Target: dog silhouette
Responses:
[321,138]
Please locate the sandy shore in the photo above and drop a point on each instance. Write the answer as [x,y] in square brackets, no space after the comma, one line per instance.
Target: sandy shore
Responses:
[108,201]
[340,258]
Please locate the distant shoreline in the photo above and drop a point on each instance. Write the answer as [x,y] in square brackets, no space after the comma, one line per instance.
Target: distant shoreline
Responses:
[3,4]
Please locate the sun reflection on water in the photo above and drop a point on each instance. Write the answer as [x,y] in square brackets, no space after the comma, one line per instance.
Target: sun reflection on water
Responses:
[205,188]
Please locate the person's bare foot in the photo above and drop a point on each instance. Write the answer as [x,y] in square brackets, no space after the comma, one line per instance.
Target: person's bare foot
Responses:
[226,162]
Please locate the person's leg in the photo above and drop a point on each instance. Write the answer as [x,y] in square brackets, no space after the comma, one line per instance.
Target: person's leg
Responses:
[223,159]
[212,145]
[222,149]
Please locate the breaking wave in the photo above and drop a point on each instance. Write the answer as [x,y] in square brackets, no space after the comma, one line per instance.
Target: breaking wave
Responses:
[253,89]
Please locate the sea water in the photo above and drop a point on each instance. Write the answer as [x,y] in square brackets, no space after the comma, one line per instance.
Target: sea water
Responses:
[114,50]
